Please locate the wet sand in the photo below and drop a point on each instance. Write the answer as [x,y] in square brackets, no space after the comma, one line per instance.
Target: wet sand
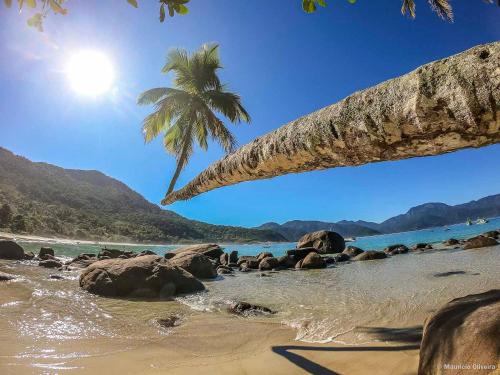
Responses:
[210,345]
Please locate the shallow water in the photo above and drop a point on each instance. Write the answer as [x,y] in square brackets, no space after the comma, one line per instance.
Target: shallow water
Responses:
[47,322]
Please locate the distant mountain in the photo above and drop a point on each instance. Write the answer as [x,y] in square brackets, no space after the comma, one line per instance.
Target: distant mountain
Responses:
[427,215]
[42,199]
[293,230]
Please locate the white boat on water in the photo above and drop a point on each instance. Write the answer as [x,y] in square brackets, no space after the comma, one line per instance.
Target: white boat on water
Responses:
[469,222]
[481,220]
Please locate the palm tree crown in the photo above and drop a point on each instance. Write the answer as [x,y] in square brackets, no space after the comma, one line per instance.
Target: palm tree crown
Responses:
[187,112]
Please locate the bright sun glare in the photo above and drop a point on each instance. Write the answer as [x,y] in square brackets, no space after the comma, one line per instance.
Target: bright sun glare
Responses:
[90,73]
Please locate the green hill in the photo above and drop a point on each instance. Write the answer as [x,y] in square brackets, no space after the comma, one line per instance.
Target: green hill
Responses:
[43,199]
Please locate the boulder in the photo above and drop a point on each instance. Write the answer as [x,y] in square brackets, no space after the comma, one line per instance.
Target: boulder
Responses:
[264,254]
[6,276]
[169,255]
[146,276]
[491,233]
[209,250]
[247,309]
[370,255]
[311,261]
[196,264]
[233,257]
[224,270]
[396,249]
[479,241]
[250,261]
[324,241]
[111,253]
[170,321]
[341,257]
[286,261]
[82,261]
[224,259]
[268,263]
[146,252]
[465,331]
[45,251]
[451,242]
[11,250]
[352,251]
[29,255]
[50,263]
[299,254]
[421,247]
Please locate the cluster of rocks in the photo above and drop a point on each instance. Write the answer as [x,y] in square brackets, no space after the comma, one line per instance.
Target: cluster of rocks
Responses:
[114,272]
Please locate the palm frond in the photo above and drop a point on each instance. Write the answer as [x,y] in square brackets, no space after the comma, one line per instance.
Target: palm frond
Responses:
[227,103]
[442,8]
[408,7]
[152,96]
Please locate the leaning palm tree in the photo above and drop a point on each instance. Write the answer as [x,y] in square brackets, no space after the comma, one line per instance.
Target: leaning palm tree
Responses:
[187,112]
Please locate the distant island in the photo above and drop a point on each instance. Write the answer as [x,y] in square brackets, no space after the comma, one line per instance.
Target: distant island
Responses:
[46,200]
[424,216]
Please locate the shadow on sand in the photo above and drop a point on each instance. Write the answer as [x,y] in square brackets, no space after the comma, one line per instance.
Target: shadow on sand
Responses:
[411,335]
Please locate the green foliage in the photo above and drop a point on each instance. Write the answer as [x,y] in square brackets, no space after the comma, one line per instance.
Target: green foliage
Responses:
[50,201]
[5,215]
[173,7]
[186,113]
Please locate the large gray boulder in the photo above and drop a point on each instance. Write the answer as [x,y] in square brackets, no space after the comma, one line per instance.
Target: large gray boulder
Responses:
[324,241]
[212,250]
[465,331]
[145,276]
[11,250]
[268,263]
[196,264]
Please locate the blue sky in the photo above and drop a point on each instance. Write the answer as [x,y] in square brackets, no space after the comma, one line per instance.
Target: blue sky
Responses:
[283,62]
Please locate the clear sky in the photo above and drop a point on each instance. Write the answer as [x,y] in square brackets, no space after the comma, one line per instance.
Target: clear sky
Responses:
[283,62]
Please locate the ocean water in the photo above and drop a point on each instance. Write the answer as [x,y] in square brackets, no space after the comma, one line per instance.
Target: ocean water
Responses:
[431,235]
[47,322]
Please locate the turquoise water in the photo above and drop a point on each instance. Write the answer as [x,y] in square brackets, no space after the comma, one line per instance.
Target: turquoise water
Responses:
[379,242]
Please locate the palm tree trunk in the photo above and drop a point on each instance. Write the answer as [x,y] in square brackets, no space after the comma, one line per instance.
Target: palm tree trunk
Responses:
[181,162]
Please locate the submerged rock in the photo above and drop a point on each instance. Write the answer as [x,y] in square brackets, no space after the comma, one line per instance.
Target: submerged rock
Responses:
[50,263]
[170,321]
[324,241]
[396,249]
[210,250]
[312,260]
[44,251]
[82,261]
[29,255]
[422,247]
[370,255]
[6,276]
[451,242]
[196,264]
[146,276]
[479,241]
[464,331]
[247,309]
[352,251]
[338,258]
[492,233]
[11,250]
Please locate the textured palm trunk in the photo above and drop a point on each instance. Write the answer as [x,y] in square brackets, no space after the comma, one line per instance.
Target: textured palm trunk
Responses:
[447,105]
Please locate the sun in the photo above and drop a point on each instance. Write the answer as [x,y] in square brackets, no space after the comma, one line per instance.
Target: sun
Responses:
[90,73]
